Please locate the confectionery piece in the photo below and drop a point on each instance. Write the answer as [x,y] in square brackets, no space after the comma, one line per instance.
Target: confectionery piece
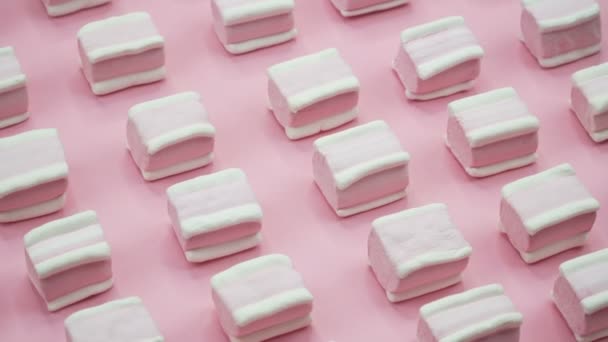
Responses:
[557,32]
[121,52]
[351,8]
[438,59]
[417,251]
[56,8]
[313,93]
[492,132]
[581,295]
[68,260]
[361,168]
[244,26]
[13,90]
[590,100]
[215,215]
[547,213]
[170,135]
[33,176]
[481,314]
[123,320]
[259,299]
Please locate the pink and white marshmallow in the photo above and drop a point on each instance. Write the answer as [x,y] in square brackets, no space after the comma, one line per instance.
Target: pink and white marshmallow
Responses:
[244,25]
[557,32]
[581,295]
[361,168]
[492,132]
[170,135]
[215,215]
[547,213]
[124,320]
[56,8]
[68,260]
[481,314]
[589,99]
[313,93]
[13,89]
[33,176]
[352,8]
[417,251]
[262,298]
[121,52]
[438,59]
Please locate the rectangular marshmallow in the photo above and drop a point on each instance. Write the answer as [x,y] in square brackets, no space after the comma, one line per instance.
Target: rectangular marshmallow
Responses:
[170,135]
[481,314]
[351,8]
[581,295]
[244,25]
[123,320]
[13,89]
[547,213]
[417,251]
[361,168]
[33,176]
[438,59]
[589,99]
[492,132]
[56,8]
[557,32]
[121,52]
[215,215]
[313,93]
[68,260]
[262,298]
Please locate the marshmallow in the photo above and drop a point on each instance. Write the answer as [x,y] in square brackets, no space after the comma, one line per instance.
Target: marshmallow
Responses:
[417,251]
[68,260]
[481,314]
[262,298]
[170,135]
[589,98]
[557,32]
[547,213]
[121,52]
[33,176]
[215,215]
[492,132]
[438,59]
[244,26]
[581,295]
[351,8]
[361,168]
[13,89]
[313,93]
[56,8]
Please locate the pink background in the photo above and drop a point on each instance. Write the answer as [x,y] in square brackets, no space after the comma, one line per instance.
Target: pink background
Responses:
[330,252]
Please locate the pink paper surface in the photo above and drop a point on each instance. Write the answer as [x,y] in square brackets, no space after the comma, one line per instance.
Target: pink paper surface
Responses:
[329,252]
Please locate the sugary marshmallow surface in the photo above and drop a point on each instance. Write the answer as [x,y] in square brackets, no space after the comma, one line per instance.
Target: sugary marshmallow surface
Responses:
[313,93]
[481,314]
[170,135]
[557,32]
[589,99]
[56,8]
[33,176]
[261,298]
[215,215]
[361,168]
[68,260]
[243,25]
[351,8]
[13,91]
[547,213]
[438,59]
[492,132]
[121,52]
[581,295]
[417,251]
[123,320]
